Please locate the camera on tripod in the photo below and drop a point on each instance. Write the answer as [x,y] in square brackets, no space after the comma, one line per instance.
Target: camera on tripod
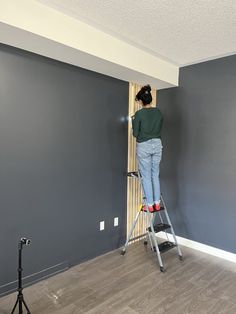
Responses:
[25,241]
[20,298]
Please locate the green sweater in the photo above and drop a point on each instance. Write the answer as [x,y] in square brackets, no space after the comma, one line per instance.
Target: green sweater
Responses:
[147,124]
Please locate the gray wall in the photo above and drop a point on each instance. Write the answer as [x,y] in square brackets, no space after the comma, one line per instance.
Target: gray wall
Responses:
[62,163]
[199,162]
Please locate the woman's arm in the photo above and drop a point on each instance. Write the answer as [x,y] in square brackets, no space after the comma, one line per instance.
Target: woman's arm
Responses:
[135,124]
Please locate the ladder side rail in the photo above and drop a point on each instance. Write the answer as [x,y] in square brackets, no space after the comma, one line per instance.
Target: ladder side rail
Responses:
[154,238]
[131,230]
[145,205]
[171,227]
[162,221]
[153,234]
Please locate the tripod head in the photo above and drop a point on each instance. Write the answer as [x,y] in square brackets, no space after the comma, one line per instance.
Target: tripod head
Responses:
[25,241]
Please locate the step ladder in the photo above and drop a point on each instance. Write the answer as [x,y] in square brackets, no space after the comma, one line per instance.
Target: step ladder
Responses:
[156,224]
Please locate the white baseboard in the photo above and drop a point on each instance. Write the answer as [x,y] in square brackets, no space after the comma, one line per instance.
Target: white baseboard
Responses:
[201,247]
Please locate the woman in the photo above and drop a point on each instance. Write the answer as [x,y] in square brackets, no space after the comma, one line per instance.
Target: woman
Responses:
[147,124]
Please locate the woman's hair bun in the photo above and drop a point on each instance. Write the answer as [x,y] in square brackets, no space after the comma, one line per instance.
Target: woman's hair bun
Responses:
[145,95]
[147,88]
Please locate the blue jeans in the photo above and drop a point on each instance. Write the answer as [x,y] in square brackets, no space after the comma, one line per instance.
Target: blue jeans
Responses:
[149,156]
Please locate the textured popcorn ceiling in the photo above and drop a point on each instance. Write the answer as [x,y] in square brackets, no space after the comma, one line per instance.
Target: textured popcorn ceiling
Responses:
[180,31]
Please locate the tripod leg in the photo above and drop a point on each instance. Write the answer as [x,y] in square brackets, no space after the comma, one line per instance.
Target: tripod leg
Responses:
[28,311]
[14,307]
[20,307]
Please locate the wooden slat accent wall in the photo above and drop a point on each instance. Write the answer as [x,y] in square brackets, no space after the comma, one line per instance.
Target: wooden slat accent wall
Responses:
[134,197]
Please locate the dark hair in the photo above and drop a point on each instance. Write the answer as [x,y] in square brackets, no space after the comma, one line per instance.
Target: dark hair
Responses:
[145,95]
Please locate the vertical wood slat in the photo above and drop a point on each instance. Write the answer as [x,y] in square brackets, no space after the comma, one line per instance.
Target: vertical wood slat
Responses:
[134,195]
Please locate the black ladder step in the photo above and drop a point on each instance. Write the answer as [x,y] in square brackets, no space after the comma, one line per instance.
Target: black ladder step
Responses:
[165,246]
[159,227]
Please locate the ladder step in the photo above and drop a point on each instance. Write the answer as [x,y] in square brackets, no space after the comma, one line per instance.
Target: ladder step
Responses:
[155,211]
[159,227]
[165,246]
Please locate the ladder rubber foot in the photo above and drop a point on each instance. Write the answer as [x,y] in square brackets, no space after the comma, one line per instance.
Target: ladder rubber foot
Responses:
[123,252]
[162,269]
[181,258]
[145,242]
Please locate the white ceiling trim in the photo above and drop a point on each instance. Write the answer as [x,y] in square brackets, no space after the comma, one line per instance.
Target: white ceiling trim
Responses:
[209,59]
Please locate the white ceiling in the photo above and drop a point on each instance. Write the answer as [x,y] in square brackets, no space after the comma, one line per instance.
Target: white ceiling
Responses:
[180,31]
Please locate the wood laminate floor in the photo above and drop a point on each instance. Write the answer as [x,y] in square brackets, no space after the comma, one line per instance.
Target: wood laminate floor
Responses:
[133,284]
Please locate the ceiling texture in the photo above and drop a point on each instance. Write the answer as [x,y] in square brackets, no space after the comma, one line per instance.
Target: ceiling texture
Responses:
[179,31]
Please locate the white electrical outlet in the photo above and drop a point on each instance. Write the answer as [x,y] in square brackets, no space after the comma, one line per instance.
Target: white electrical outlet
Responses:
[102,225]
[116,221]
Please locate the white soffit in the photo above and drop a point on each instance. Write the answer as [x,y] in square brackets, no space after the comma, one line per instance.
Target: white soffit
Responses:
[180,31]
[30,25]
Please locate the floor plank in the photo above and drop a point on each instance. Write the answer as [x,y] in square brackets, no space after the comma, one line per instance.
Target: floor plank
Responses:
[133,284]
